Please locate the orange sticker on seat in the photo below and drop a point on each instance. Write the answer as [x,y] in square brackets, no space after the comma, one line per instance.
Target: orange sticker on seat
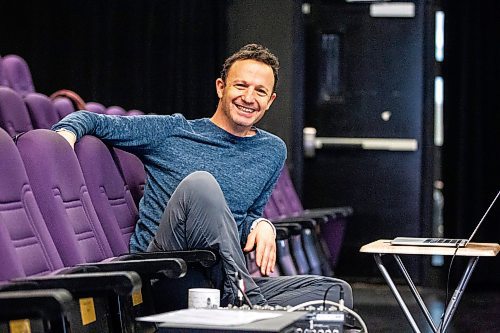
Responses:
[87,310]
[20,326]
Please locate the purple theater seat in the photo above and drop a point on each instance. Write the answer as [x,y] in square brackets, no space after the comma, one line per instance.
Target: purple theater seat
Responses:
[37,312]
[63,106]
[65,202]
[29,253]
[21,216]
[133,173]
[110,196]
[135,112]
[14,116]
[286,263]
[61,193]
[330,234]
[304,259]
[62,196]
[271,212]
[116,110]
[95,107]
[18,74]
[285,197]
[11,268]
[41,110]
[3,79]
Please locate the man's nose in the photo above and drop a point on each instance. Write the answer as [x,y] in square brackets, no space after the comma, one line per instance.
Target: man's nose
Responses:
[248,95]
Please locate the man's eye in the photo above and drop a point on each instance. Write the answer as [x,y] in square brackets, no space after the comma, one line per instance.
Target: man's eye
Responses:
[262,93]
[240,86]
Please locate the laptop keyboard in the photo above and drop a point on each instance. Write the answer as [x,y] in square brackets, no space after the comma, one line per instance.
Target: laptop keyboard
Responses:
[441,240]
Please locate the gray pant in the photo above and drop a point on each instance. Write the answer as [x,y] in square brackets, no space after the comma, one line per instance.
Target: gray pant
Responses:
[197,217]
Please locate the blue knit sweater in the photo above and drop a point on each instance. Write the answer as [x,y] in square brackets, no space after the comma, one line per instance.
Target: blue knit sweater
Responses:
[172,147]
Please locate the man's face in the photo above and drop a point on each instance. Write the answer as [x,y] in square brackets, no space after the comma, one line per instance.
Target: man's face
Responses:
[246,95]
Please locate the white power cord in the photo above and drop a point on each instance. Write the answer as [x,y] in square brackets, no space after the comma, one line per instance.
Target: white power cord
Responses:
[341,307]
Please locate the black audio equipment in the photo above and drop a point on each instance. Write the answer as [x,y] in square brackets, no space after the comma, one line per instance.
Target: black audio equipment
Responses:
[305,320]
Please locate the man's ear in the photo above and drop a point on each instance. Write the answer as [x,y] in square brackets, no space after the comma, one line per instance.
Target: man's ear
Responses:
[271,100]
[219,86]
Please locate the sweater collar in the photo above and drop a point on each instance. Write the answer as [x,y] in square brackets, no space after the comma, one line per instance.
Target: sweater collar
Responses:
[232,137]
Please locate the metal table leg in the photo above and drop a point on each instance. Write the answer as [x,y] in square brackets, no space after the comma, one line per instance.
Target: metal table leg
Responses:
[450,309]
[397,295]
[457,295]
[415,292]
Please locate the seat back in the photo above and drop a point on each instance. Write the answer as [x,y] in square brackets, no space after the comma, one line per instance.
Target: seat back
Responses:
[285,196]
[135,112]
[284,258]
[110,196]
[20,217]
[133,173]
[18,74]
[270,209]
[3,79]
[10,266]
[41,110]
[116,110]
[14,116]
[95,107]
[27,249]
[63,106]
[60,190]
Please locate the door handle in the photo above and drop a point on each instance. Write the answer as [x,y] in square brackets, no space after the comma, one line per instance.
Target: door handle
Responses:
[311,142]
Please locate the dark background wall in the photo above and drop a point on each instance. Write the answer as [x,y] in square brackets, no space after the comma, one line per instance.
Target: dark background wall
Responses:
[157,56]
[258,21]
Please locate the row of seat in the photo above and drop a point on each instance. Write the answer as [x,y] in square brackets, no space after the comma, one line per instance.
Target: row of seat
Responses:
[63,215]
[15,74]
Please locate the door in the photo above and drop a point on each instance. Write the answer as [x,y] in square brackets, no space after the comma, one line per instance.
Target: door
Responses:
[364,110]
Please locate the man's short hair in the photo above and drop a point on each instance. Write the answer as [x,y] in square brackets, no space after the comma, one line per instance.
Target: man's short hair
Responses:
[253,52]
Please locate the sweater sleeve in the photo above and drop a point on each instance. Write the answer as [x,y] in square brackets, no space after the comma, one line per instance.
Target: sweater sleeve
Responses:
[133,134]
[257,208]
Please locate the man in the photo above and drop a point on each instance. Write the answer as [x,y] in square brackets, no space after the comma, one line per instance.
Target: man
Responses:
[209,179]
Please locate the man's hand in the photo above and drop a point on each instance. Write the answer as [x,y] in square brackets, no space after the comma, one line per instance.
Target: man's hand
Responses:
[265,253]
[69,136]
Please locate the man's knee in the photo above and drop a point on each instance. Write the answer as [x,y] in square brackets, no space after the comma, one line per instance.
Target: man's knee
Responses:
[202,188]
[199,180]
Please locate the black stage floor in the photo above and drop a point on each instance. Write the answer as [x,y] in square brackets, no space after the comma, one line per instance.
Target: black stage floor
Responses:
[478,311]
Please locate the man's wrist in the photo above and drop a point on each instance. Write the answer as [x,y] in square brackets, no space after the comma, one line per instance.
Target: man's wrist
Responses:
[68,135]
[66,131]
[259,220]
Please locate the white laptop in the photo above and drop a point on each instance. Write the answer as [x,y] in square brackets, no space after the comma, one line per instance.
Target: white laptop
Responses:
[446,242]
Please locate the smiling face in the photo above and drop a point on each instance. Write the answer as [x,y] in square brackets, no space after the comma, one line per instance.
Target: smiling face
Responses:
[245,96]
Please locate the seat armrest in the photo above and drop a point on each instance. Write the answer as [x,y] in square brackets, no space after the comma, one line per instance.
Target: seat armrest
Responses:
[44,303]
[293,228]
[282,233]
[168,267]
[122,283]
[206,258]
[303,222]
[331,211]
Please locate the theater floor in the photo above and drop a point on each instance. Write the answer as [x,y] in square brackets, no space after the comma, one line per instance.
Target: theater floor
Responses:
[478,311]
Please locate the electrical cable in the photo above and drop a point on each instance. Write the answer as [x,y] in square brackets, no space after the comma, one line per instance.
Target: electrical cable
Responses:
[341,293]
[440,327]
[346,309]
[236,280]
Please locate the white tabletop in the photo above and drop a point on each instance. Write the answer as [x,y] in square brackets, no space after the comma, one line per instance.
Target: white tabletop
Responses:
[383,246]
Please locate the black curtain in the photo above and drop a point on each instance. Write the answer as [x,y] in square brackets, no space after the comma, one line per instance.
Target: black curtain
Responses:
[159,56]
[471,161]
